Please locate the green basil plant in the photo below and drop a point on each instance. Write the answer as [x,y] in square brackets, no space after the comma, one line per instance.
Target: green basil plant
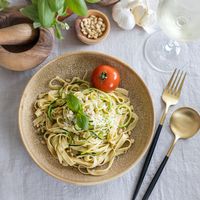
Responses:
[45,13]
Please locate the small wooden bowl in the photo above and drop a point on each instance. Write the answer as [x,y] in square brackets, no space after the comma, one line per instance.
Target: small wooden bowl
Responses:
[82,37]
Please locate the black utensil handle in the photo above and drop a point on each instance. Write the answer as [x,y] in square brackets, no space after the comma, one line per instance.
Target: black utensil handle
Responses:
[155,179]
[147,161]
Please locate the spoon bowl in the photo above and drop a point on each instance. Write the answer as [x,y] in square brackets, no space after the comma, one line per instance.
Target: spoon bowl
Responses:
[185,122]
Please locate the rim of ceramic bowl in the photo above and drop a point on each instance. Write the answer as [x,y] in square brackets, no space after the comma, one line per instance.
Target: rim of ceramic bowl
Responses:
[79,182]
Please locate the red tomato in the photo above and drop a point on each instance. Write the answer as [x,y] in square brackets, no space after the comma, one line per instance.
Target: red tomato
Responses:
[105,78]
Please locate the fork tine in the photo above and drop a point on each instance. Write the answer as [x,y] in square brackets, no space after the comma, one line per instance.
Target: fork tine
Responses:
[181,85]
[171,79]
[172,86]
[178,82]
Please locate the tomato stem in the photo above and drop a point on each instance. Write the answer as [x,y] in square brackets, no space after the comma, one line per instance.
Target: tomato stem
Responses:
[103,76]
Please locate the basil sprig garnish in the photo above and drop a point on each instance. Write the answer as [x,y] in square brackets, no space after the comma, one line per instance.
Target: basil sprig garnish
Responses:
[75,106]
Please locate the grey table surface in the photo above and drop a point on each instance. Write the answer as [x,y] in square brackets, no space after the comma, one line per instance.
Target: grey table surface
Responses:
[22,179]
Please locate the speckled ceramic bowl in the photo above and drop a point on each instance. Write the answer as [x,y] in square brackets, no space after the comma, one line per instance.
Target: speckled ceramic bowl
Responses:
[76,64]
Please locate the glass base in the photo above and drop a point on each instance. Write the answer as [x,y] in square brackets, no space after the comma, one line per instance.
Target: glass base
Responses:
[165,55]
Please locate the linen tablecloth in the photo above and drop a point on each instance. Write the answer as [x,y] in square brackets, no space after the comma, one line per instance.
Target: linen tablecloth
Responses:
[22,179]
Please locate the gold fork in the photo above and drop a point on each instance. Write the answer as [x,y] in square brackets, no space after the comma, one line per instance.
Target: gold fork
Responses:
[170,96]
[172,92]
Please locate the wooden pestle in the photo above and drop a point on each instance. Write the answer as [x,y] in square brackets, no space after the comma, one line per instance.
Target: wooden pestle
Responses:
[26,47]
[17,34]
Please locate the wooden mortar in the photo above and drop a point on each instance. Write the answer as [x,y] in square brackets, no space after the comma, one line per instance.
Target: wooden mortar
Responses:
[21,56]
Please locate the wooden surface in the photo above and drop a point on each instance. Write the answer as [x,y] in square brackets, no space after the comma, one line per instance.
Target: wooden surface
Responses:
[27,56]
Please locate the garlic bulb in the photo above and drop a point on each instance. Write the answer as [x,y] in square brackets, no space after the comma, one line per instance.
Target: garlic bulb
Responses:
[122,14]
[128,13]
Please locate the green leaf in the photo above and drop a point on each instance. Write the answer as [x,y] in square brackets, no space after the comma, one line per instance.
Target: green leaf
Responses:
[56,5]
[73,103]
[3,4]
[82,121]
[63,10]
[92,1]
[77,6]
[31,12]
[46,15]
[34,2]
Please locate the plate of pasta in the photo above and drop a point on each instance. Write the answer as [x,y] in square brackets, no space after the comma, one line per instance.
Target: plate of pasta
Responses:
[79,131]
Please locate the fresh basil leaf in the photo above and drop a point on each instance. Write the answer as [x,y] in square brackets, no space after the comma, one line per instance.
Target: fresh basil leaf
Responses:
[31,12]
[82,121]
[77,6]
[3,4]
[46,15]
[92,1]
[73,102]
[34,2]
[56,5]
[61,12]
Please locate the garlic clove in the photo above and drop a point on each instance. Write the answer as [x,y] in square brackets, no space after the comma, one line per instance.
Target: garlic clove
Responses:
[139,11]
[144,17]
[149,22]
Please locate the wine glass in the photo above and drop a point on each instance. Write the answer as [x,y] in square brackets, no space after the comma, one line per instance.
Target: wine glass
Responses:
[179,21]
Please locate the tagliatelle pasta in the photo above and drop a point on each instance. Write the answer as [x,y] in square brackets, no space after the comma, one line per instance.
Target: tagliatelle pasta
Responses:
[111,119]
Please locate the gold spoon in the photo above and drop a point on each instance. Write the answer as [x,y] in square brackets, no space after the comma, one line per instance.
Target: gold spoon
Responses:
[184,123]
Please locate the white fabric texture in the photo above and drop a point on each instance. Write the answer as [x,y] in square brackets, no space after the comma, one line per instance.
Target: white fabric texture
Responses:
[22,179]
